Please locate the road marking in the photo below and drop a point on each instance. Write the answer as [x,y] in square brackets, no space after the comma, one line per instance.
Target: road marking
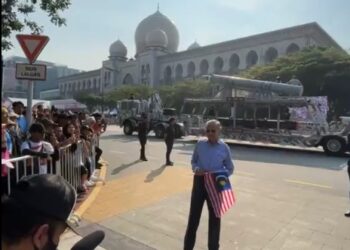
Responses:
[117,152]
[308,184]
[244,173]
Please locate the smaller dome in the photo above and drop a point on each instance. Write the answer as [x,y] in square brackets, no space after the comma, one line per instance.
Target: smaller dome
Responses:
[156,38]
[118,49]
[193,46]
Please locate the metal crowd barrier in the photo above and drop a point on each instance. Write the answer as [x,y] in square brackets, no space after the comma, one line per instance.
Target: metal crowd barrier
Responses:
[68,165]
[70,162]
[20,167]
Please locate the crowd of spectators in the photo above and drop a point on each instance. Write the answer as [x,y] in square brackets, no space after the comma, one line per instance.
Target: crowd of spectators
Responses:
[50,131]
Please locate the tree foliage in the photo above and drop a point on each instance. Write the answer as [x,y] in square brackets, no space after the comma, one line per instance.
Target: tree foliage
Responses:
[15,16]
[173,95]
[124,92]
[323,71]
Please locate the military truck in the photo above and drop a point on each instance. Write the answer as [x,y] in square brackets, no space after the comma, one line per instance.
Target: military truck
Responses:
[267,112]
[130,111]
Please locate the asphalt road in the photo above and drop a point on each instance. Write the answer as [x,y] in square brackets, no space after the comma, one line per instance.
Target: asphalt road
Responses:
[285,166]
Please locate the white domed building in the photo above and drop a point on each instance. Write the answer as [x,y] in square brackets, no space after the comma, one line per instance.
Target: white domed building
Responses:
[157,60]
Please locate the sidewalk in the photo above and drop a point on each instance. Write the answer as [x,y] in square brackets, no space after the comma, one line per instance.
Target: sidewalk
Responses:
[267,215]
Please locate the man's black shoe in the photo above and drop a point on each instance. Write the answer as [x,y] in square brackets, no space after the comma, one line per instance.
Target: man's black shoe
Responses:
[347,214]
[143,159]
[169,164]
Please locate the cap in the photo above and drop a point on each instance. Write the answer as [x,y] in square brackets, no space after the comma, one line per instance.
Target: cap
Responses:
[48,194]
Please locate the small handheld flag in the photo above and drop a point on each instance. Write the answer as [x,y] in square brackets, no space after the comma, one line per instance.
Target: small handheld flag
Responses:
[220,192]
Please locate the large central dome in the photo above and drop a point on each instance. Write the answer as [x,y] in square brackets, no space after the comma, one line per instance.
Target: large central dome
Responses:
[156,21]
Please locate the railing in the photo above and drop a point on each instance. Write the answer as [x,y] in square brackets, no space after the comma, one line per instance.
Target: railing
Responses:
[68,164]
[25,165]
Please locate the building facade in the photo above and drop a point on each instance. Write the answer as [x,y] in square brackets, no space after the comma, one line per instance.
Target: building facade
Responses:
[157,60]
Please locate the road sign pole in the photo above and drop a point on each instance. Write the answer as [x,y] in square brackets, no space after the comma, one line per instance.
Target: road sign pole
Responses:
[30,102]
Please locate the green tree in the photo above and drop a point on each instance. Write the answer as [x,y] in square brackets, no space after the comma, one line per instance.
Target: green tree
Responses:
[15,16]
[91,101]
[316,68]
[124,92]
[173,95]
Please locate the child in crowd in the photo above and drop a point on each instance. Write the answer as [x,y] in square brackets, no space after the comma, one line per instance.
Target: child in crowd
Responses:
[36,146]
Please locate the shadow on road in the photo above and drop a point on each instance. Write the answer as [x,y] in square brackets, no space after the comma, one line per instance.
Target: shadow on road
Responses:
[123,167]
[155,173]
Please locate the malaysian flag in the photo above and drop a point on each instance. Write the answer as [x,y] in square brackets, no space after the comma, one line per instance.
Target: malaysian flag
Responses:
[219,191]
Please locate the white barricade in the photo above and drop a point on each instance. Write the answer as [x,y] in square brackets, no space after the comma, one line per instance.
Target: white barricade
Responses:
[25,165]
[68,165]
[70,162]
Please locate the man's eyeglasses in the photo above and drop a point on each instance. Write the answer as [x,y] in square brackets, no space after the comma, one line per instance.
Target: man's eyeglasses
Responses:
[211,131]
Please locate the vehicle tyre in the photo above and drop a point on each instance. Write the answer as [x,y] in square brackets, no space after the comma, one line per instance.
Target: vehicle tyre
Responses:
[159,131]
[128,129]
[334,145]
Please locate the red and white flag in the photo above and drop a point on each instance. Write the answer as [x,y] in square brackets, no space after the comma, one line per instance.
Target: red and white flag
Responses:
[220,192]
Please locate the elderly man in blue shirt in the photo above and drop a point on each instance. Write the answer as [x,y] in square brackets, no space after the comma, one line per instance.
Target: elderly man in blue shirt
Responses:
[210,155]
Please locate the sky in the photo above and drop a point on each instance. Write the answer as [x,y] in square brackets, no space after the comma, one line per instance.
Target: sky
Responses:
[92,25]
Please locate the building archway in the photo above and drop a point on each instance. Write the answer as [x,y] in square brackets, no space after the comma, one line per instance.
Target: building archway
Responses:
[178,72]
[218,65]
[95,83]
[167,75]
[191,69]
[252,58]
[234,63]
[204,67]
[270,55]
[292,48]
[128,79]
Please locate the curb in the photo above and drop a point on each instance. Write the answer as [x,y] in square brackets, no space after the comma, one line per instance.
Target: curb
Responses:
[91,198]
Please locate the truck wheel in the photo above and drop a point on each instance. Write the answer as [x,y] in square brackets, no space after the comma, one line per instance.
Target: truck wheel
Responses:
[159,131]
[128,129]
[334,145]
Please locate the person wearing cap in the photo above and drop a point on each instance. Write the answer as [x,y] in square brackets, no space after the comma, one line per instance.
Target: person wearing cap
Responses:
[36,213]
[142,134]
[5,121]
[5,149]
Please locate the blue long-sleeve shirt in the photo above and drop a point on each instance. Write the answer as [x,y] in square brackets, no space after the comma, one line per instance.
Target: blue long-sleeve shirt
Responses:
[22,124]
[212,157]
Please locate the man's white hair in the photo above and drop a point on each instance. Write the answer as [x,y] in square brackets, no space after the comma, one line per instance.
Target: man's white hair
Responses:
[213,122]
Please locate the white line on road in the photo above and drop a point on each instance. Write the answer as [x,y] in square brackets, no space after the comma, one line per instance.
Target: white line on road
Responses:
[244,173]
[308,183]
[117,152]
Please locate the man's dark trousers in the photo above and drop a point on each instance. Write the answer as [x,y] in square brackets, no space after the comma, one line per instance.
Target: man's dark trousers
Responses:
[199,195]
[169,147]
[143,141]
